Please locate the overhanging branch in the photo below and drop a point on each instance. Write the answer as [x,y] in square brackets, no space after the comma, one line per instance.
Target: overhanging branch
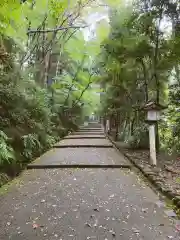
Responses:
[82,93]
[55,29]
[74,78]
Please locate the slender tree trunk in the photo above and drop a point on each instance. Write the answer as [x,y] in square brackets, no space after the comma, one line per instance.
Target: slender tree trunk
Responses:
[156,77]
[145,80]
[47,68]
[116,126]
[132,126]
[110,124]
[175,34]
[125,127]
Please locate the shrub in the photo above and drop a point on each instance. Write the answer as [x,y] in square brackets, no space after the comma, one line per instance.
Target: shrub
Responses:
[29,123]
[31,145]
[6,151]
[140,137]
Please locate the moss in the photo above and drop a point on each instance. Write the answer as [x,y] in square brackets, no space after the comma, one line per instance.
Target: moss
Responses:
[3,179]
[6,187]
[171,205]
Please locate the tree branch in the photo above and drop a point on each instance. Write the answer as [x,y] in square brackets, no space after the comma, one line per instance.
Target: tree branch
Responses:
[74,78]
[145,78]
[55,29]
[79,98]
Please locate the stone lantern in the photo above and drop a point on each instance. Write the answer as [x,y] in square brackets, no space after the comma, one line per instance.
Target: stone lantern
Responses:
[153,113]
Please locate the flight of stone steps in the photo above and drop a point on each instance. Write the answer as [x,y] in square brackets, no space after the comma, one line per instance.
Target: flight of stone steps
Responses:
[87,147]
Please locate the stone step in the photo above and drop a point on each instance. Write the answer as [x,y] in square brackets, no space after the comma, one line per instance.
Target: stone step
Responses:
[40,166]
[82,136]
[91,129]
[87,133]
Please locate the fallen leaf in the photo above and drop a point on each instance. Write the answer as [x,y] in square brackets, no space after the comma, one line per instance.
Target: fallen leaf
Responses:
[88,225]
[161,224]
[178,227]
[170,213]
[160,204]
[135,230]
[144,210]
[35,225]
[111,196]
[96,209]
[96,222]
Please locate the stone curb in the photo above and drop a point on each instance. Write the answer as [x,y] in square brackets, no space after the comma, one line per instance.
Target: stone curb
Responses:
[87,133]
[83,146]
[87,137]
[81,166]
[152,179]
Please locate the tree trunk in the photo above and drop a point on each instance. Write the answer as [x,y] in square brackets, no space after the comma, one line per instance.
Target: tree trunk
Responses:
[132,126]
[145,80]
[175,34]
[111,123]
[116,126]
[47,68]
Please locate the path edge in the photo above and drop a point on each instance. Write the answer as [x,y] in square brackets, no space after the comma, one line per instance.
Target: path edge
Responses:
[167,192]
[80,166]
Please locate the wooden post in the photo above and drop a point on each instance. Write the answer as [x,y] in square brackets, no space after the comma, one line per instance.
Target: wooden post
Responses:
[152,142]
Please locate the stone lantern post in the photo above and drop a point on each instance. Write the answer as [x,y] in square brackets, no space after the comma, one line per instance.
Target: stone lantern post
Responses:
[153,112]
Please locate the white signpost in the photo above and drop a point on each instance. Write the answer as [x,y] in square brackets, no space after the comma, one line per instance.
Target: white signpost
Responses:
[152,142]
[153,115]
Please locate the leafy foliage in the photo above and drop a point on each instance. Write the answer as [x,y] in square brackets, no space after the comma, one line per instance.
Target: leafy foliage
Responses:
[46,70]
[6,151]
[31,144]
[138,62]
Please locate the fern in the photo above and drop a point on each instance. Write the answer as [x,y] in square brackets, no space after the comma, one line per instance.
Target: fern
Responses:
[50,141]
[3,136]
[31,144]
[6,152]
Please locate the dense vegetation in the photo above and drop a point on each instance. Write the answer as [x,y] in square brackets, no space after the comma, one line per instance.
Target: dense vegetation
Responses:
[139,62]
[46,75]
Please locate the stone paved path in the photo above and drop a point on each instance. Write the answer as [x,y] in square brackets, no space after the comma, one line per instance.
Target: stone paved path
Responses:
[79,204]
[87,149]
